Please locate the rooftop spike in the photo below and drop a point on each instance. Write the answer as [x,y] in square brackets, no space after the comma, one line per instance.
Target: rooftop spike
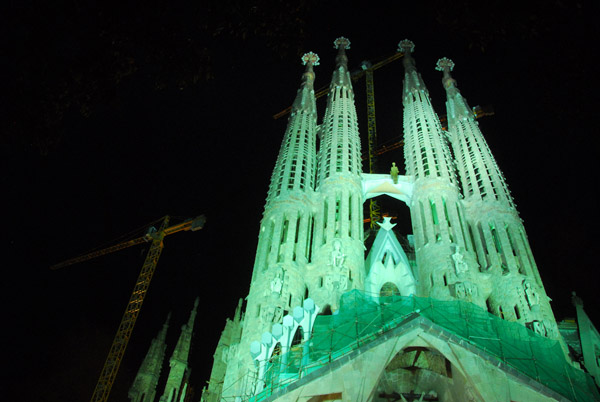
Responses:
[407,47]
[413,83]
[305,99]
[457,106]
[341,76]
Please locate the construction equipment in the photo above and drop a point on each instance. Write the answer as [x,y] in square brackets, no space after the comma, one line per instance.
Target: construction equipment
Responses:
[117,349]
[374,210]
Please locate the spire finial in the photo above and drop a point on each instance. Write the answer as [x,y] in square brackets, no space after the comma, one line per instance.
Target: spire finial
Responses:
[341,42]
[310,58]
[444,64]
[406,46]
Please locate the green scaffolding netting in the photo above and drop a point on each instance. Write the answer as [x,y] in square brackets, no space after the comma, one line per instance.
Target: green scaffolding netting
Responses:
[361,320]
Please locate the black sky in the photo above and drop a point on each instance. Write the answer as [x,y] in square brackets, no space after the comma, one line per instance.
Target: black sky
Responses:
[109,123]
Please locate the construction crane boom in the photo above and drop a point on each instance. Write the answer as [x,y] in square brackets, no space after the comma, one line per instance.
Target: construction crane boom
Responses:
[121,339]
[189,224]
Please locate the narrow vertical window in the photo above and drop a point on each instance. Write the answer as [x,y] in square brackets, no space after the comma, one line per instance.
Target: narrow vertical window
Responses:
[462,228]
[309,236]
[434,215]
[423,224]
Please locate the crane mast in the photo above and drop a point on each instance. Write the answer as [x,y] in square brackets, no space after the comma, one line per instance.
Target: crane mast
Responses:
[374,209]
[119,344]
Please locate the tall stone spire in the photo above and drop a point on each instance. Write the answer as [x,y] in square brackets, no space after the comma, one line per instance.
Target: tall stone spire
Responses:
[499,237]
[479,173]
[437,215]
[178,363]
[338,235]
[426,149]
[284,239]
[144,385]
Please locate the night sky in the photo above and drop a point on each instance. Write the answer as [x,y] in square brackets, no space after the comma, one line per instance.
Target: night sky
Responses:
[114,116]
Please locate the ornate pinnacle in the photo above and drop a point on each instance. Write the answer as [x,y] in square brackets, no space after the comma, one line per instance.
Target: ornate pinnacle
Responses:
[341,42]
[406,46]
[311,58]
[444,63]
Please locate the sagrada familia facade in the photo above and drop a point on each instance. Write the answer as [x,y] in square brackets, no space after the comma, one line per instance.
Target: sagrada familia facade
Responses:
[457,313]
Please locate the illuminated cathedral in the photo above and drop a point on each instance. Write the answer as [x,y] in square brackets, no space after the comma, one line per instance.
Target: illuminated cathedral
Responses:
[454,311]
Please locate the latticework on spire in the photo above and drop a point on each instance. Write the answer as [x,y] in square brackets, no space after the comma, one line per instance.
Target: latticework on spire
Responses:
[426,149]
[296,163]
[340,142]
[479,173]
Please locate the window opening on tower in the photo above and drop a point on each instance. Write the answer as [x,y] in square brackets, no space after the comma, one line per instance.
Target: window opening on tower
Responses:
[325,219]
[350,216]
[499,249]
[338,221]
[296,236]
[298,337]
[462,228]
[423,223]
[484,245]
[515,250]
[309,237]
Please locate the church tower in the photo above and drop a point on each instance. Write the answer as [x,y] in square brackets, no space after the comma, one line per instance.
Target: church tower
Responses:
[465,318]
[284,241]
[445,259]
[143,388]
[503,251]
[176,388]
[338,264]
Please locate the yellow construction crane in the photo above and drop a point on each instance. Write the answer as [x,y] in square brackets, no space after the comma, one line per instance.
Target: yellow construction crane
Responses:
[117,349]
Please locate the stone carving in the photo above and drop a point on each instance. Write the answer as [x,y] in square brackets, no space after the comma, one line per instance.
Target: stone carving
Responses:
[471,289]
[394,173]
[539,327]
[465,289]
[337,256]
[277,282]
[459,264]
[530,295]
[278,315]
[336,282]
[460,291]
[271,314]
[338,279]
[551,331]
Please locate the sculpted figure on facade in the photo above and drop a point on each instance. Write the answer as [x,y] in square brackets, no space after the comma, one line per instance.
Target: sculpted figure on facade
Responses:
[539,327]
[337,256]
[277,282]
[460,265]
[530,295]
[278,315]
[394,173]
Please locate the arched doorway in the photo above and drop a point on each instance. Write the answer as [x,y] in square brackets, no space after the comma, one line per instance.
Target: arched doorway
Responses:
[389,289]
